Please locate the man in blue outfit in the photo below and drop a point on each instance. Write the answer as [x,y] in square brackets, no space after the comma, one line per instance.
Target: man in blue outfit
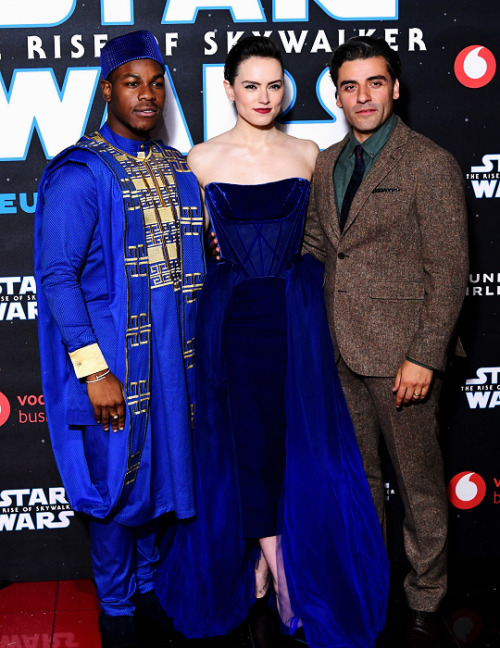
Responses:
[119,265]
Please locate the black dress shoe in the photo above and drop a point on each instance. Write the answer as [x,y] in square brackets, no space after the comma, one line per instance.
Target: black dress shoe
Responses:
[422,630]
[117,631]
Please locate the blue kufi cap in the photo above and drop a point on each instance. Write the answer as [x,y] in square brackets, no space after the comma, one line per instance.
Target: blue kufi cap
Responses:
[129,47]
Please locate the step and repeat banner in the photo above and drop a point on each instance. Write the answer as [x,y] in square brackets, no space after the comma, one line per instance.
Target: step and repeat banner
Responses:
[50,96]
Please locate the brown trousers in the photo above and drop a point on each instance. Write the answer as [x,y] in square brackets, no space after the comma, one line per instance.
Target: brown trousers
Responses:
[411,436]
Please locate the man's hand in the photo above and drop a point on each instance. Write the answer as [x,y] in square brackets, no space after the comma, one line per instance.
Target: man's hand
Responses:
[412,383]
[107,400]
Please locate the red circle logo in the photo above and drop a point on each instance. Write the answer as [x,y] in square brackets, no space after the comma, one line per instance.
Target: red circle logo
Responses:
[475,66]
[466,490]
[466,625]
[4,408]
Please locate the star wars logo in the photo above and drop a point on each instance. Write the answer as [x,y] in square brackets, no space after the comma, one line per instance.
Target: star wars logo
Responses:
[39,104]
[34,509]
[18,298]
[483,392]
[485,178]
[41,640]
[29,13]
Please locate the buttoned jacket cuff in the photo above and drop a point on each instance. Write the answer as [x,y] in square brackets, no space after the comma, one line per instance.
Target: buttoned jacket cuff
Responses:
[87,360]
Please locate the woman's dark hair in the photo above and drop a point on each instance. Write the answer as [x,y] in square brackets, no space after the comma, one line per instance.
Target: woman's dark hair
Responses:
[246,48]
[364,47]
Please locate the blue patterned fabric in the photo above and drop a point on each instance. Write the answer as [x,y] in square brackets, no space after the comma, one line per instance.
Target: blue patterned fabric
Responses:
[96,284]
[129,47]
[331,554]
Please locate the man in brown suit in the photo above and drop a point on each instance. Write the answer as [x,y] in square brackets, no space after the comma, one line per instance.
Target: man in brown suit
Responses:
[388,219]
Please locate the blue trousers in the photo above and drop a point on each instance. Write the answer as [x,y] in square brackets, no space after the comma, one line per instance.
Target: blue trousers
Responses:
[124,560]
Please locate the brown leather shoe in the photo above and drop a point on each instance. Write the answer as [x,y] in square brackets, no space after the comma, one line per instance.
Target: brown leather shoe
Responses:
[422,630]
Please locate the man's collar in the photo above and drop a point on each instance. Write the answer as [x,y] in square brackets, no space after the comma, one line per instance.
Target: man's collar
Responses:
[376,142]
[130,146]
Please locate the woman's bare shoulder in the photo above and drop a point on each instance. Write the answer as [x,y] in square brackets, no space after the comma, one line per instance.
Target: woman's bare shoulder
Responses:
[200,151]
[307,148]
[209,156]
[200,158]
[304,152]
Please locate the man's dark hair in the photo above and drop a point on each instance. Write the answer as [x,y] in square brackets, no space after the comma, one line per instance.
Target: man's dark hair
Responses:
[244,49]
[364,47]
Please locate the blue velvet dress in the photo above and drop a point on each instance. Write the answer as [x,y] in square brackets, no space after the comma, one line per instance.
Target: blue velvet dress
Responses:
[275,451]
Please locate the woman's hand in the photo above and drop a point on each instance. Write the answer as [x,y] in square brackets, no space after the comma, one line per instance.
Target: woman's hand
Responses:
[214,245]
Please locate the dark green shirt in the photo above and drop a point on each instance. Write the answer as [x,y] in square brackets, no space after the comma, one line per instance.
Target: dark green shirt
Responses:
[371,149]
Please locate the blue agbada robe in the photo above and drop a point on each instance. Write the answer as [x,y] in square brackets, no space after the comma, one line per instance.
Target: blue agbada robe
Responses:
[88,292]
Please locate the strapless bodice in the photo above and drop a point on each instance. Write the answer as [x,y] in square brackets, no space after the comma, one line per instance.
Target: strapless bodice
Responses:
[259,227]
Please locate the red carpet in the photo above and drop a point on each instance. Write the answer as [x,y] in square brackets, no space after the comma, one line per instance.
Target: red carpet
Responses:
[49,615]
[63,614]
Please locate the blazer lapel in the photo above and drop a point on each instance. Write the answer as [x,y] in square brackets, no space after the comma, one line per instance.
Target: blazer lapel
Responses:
[332,222]
[387,159]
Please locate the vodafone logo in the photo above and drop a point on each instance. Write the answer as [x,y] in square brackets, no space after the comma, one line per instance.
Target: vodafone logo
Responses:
[466,490]
[466,625]
[475,66]
[4,408]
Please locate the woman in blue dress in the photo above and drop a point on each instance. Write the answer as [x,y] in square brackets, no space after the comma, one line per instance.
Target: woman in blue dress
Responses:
[281,494]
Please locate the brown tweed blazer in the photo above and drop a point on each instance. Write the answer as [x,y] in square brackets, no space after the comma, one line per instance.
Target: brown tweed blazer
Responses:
[395,278]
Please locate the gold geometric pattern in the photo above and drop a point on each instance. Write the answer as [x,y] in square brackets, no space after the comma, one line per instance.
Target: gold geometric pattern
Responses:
[150,189]
[151,185]
[193,282]
[189,353]
[138,397]
[138,330]
[136,261]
